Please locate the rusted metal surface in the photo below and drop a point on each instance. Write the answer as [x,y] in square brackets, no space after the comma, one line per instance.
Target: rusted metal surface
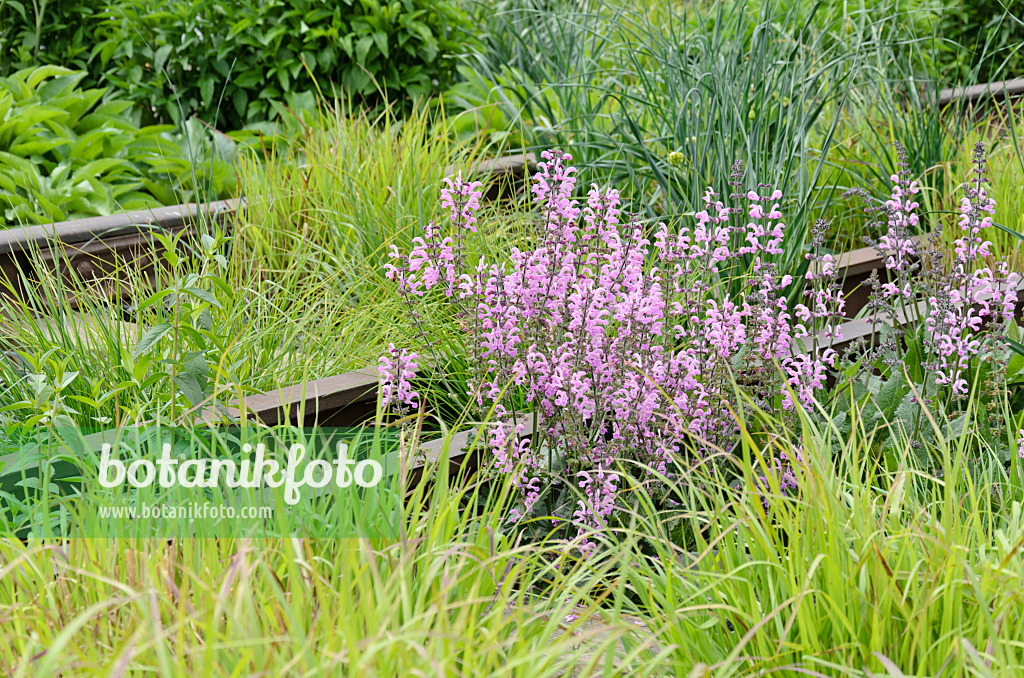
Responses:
[855,267]
[73,232]
[347,399]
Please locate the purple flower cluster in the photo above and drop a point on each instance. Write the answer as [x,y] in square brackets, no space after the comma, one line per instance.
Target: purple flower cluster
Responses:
[599,490]
[967,304]
[974,302]
[622,345]
[970,304]
[434,259]
[397,369]
[897,246]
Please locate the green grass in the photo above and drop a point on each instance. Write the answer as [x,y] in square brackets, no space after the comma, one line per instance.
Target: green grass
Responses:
[888,569]
[295,292]
[326,208]
[870,569]
[453,596]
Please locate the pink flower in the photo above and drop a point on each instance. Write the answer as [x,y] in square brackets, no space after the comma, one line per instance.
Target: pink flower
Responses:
[397,369]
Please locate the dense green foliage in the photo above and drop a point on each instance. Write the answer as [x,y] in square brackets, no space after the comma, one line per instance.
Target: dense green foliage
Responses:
[989,34]
[65,153]
[232,62]
[52,32]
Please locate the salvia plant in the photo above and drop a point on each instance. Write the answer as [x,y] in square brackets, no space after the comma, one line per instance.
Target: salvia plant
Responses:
[943,317]
[600,349]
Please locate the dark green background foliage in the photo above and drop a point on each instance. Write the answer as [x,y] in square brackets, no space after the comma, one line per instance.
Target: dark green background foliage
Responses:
[60,33]
[233,62]
[992,36]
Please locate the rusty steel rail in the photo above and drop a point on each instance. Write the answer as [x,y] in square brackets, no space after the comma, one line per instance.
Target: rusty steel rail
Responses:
[97,247]
[1004,89]
[854,268]
[79,231]
[347,399]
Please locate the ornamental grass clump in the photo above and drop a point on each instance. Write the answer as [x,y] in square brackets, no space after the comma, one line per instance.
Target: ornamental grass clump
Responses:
[600,348]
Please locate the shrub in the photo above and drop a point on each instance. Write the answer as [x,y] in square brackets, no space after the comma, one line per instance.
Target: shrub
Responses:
[66,154]
[627,350]
[233,62]
[237,61]
[55,32]
[994,53]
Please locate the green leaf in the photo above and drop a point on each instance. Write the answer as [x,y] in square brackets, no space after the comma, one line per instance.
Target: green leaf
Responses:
[160,58]
[1016,346]
[43,72]
[381,40]
[151,337]
[240,99]
[912,360]
[189,387]
[1015,365]
[203,295]
[99,168]
[39,147]
[955,428]
[890,394]
[66,380]
[206,90]
[362,48]
[205,321]
[140,368]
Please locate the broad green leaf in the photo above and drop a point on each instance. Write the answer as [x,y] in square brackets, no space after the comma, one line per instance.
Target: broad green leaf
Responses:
[98,168]
[891,393]
[43,72]
[151,337]
[362,48]
[206,89]
[381,40]
[189,387]
[203,295]
[39,147]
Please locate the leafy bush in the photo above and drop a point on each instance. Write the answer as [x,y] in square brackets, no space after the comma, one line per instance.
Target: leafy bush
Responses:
[55,32]
[66,154]
[233,62]
[994,53]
